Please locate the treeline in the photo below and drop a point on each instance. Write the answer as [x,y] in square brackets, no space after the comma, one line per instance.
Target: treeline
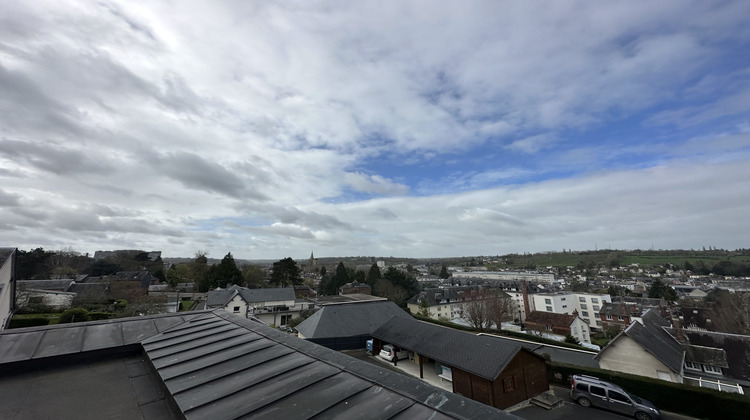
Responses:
[38,264]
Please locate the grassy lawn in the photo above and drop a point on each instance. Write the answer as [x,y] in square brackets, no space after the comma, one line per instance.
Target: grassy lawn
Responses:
[186,304]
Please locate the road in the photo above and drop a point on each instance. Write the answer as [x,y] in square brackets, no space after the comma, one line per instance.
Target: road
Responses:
[571,410]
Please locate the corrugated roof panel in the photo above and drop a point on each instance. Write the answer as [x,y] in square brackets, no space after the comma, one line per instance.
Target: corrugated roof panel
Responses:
[102,336]
[177,344]
[206,352]
[200,322]
[187,336]
[236,397]
[261,363]
[239,357]
[17,347]
[316,398]
[60,341]
[375,401]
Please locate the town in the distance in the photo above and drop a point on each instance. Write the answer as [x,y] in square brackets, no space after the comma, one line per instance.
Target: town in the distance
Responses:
[512,333]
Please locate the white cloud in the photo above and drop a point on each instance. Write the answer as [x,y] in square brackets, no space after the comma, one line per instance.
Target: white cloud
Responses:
[254,125]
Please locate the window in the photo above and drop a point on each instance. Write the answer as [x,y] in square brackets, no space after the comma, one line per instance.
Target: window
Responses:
[598,323]
[584,306]
[691,365]
[285,319]
[547,301]
[562,298]
[236,309]
[582,387]
[594,300]
[565,306]
[509,384]
[621,318]
[619,397]
[584,313]
[596,314]
[582,299]
[596,307]
[598,391]
[549,309]
[609,317]
[712,369]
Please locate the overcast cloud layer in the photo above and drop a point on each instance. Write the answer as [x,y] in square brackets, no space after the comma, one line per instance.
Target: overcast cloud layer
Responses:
[405,128]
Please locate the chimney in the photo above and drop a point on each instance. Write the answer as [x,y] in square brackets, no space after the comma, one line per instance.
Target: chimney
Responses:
[525,292]
[677,325]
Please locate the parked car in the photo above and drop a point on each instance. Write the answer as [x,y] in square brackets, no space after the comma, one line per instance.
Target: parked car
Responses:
[590,391]
[389,351]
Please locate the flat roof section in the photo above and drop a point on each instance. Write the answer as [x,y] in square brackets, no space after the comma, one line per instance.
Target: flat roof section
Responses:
[122,387]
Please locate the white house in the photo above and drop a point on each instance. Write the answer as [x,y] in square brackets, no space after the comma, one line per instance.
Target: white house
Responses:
[275,306]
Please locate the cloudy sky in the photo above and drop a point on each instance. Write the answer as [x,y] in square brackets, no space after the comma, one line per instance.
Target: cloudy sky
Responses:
[403,128]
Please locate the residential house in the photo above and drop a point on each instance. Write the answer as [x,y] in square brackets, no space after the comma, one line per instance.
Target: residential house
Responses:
[622,311]
[716,360]
[7,285]
[645,349]
[348,325]
[495,372]
[558,326]
[274,306]
[449,302]
[355,287]
[203,365]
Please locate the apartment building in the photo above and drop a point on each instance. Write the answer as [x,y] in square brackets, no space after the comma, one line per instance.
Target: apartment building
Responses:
[588,305]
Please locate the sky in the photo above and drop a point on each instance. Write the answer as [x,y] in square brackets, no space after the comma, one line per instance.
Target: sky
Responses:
[396,128]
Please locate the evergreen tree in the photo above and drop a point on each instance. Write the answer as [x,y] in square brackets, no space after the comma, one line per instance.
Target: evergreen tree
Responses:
[444,273]
[225,273]
[341,277]
[374,275]
[285,273]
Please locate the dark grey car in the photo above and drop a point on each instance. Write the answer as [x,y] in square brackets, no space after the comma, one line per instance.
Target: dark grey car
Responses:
[590,391]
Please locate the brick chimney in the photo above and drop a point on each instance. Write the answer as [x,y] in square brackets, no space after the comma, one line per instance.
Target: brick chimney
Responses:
[525,292]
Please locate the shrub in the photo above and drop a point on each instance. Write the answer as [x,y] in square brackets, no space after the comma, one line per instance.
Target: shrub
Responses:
[74,315]
[96,316]
[28,322]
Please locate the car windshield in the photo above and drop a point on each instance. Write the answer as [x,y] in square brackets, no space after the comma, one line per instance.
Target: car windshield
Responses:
[634,398]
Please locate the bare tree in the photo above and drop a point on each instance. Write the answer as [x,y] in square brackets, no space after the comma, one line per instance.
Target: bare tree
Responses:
[61,263]
[484,308]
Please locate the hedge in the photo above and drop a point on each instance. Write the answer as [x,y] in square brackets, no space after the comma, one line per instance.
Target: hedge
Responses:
[689,400]
[28,322]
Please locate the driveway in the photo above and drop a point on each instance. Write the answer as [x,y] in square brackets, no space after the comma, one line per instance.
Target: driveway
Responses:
[571,410]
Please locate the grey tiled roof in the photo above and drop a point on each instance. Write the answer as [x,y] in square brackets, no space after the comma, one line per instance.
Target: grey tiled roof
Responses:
[736,348]
[219,298]
[349,319]
[481,355]
[52,284]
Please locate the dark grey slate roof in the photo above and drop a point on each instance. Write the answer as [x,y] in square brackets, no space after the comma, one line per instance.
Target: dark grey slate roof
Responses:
[706,356]
[736,347]
[219,298]
[217,365]
[53,284]
[349,319]
[480,355]
[653,337]
[222,366]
